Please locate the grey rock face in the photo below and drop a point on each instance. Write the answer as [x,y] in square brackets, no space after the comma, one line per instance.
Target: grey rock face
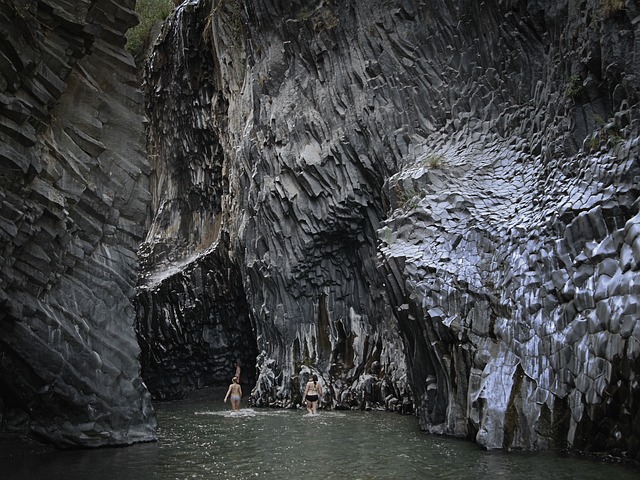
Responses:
[193,316]
[432,204]
[510,233]
[301,226]
[74,195]
[193,326]
[313,176]
[438,196]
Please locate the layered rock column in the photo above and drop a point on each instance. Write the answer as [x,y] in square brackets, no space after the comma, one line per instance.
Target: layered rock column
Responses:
[74,195]
[192,313]
[308,180]
[511,238]
[300,222]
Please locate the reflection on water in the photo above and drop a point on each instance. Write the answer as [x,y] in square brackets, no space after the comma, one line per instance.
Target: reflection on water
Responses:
[202,439]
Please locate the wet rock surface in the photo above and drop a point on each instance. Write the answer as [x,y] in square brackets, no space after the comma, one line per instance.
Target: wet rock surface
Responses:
[511,240]
[74,197]
[435,203]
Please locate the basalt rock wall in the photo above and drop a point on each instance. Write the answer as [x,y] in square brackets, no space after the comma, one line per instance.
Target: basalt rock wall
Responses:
[295,223]
[193,316]
[74,197]
[426,203]
[512,240]
[193,327]
[436,199]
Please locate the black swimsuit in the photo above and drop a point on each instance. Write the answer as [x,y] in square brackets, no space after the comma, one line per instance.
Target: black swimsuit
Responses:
[312,398]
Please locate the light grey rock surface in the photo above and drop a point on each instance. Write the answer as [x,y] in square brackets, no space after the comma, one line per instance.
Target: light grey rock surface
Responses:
[510,238]
[74,198]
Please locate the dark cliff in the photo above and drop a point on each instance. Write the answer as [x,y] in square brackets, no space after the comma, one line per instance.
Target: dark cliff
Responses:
[303,256]
[74,198]
[193,315]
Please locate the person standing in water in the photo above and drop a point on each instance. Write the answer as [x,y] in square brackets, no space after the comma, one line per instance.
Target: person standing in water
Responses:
[312,394]
[238,372]
[234,393]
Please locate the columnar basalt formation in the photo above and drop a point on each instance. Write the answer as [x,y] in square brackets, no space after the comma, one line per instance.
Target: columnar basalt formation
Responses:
[74,197]
[513,236]
[312,207]
[300,222]
[441,195]
[193,316]
[430,204]
[193,326]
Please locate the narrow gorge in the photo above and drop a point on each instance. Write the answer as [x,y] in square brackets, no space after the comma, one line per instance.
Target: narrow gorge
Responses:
[433,205]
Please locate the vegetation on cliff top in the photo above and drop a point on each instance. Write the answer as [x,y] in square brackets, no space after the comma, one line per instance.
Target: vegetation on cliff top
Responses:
[149,13]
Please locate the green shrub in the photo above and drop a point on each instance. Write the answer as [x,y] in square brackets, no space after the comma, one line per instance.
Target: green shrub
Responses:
[409,199]
[149,13]
[606,136]
[435,160]
[575,86]
[609,7]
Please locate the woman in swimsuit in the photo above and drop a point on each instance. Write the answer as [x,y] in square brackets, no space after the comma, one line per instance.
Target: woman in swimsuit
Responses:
[235,393]
[312,394]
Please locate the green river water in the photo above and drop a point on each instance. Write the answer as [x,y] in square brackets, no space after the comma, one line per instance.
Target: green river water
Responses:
[200,438]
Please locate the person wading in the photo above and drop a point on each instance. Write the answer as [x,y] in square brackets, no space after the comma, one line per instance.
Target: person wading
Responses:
[312,394]
[238,372]
[234,393]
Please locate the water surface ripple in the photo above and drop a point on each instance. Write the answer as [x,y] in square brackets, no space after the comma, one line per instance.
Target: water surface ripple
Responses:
[201,439]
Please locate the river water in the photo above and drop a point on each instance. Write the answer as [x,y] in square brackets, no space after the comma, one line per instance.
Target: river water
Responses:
[200,438]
